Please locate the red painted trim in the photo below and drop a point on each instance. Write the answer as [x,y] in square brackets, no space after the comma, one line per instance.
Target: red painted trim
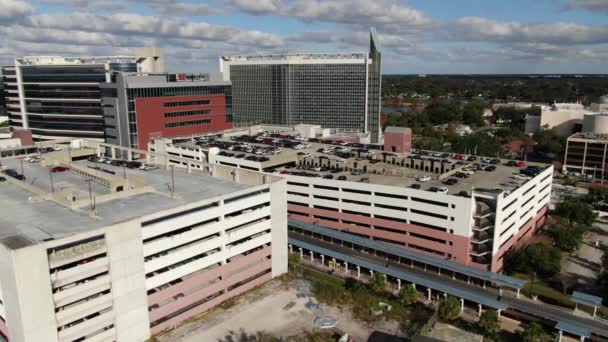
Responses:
[4,329]
[459,248]
[523,235]
[203,293]
[150,117]
[174,321]
[206,276]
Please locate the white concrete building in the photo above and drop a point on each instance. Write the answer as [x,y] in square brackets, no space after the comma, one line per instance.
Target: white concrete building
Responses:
[475,222]
[107,253]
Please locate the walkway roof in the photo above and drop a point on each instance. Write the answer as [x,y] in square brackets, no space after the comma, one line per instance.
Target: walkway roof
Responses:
[412,278]
[586,299]
[573,329]
[493,277]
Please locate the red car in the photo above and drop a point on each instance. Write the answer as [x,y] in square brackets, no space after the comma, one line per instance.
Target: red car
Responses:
[59,169]
[521,164]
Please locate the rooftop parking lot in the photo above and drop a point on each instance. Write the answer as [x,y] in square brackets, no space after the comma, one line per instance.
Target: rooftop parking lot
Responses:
[441,172]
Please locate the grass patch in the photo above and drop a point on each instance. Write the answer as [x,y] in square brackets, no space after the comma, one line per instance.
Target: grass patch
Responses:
[547,294]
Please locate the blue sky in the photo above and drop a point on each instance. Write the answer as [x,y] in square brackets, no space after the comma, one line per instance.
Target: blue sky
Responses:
[417,36]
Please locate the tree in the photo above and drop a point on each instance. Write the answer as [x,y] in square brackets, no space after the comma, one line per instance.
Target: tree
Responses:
[536,259]
[575,212]
[294,260]
[605,259]
[472,113]
[535,333]
[378,284]
[489,323]
[596,196]
[408,295]
[449,308]
[566,237]
[549,142]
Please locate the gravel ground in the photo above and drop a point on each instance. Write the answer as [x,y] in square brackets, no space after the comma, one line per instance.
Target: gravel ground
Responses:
[273,309]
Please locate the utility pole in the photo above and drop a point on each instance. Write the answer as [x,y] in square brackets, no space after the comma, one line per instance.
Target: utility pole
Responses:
[172,179]
[51,174]
[22,173]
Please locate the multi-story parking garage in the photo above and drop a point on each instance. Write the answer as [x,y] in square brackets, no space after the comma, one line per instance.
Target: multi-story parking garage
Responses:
[471,212]
[98,252]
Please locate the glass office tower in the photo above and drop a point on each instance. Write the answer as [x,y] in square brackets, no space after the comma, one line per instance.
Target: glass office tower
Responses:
[59,97]
[334,90]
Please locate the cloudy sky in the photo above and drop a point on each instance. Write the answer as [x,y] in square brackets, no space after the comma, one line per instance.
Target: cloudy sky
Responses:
[418,36]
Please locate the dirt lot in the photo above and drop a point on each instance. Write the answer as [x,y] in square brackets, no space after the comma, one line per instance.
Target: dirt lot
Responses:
[274,309]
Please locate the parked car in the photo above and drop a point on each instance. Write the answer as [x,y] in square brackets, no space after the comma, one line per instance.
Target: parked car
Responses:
[356,172]
[416,186]
[521,164]
[328,177]
[133,164]
[2,179]
[511,163]
[442,190]
[342,178]
[424,178]
[490,168]
[57,169]
[451,181]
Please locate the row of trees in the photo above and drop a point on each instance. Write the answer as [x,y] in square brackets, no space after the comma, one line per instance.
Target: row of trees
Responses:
[489,322]
[544,90]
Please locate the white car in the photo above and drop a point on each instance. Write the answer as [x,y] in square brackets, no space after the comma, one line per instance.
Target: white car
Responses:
[520,177]
[301,138]
[442,190]
[299,147]
[468,172]
[34,160]
[424,178]
[436,154]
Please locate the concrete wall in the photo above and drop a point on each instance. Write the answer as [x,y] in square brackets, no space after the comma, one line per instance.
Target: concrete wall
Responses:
[278,207]
[125,252]
[26,288]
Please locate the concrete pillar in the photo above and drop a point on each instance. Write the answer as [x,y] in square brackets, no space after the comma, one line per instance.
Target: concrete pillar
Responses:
[312,256]
[424,267]
[414,286]
[322,259]
[480,310]
[412,263]
[461,305]
[518,293]
[468,279]
[498,312]
[113,152]
[398,284]
[575,306]
[559,339]
[484,284]
[429,293]
[290,248]
[594,311]
[358,271]
[453,275]
[301,253]
[371,273]
[345,267]
[439,271]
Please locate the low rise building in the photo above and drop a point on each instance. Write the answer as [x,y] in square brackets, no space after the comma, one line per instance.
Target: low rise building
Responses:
[103,252]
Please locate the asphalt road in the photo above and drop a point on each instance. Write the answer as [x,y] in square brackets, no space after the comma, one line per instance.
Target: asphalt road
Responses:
[533,308]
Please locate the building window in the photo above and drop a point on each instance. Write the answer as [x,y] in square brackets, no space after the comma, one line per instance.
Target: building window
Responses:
[188,113]
[187,123]
[187,103]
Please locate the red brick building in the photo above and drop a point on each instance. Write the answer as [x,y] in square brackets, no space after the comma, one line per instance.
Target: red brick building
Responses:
[137,107]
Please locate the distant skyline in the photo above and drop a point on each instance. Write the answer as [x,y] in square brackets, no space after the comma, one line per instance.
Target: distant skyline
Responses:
[417,36]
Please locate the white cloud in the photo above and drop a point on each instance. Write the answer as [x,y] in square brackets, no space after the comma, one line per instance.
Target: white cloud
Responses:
[387,15]
[259,6]
[589,5]
[12,10]
[154,26]
[108,5]
[188,9]
[482,29]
